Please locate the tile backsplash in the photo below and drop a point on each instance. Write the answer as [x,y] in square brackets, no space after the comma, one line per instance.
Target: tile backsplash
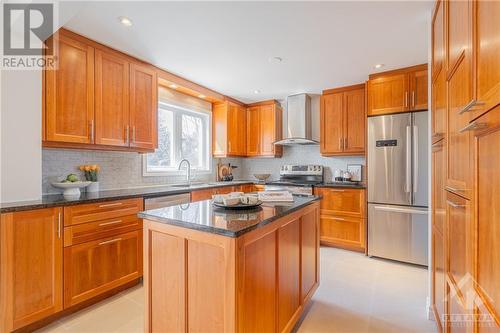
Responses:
[124,169]
[298,155]
[118,169]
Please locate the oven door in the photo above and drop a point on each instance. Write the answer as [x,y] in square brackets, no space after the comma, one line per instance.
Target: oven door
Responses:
[303,190]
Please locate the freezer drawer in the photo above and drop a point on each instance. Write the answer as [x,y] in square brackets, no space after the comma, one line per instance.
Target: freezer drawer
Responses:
[398,233]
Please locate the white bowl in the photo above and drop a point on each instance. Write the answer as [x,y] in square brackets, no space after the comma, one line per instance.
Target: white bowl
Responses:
[70,189]
[262,176]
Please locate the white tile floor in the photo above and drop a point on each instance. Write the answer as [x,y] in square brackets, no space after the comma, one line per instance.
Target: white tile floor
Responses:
[357,295]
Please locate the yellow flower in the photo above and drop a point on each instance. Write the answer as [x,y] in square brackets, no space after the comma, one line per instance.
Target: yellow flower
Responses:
[94,167]
[97,168]
[87,168]
[81,167]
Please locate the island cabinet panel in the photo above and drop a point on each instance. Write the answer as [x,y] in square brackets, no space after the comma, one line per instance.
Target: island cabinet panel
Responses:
[438,277]
[260,281]
[343,217]
[309,233]
[288,273]
[31,267]
[257,305]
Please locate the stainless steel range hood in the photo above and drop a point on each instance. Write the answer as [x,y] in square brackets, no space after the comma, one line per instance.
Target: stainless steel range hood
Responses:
[298,127]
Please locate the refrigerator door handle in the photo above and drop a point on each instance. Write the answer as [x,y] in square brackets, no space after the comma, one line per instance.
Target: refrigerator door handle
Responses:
[401,210]
[415,158]
[408,160]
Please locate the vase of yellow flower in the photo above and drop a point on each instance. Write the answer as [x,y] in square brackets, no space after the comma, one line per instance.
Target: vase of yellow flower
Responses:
[90,172]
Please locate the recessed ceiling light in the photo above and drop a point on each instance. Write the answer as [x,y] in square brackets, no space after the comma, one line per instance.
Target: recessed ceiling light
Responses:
[275,60]
[201,96]
[125,21]
[256,91]
[377,66]
[173,86]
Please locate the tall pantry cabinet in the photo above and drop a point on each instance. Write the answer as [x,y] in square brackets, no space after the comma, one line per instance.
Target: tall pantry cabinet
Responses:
[466,150]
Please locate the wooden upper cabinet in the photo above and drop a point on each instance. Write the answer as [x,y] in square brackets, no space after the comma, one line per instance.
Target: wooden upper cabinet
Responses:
[438,33]
[111,99]
[143,106]
[342,121]
[418,90]
[487,55]
[264,127]
[70,92]
[487,203]
[460,98]
[439,107]
[331,122]
[253,131]
[388,94]
[31,247]
[399,90]
[354,121]
[229,129]
[98,98]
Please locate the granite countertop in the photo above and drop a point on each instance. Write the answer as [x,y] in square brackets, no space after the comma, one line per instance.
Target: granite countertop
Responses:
[57,200]
[203,216]
[341,184]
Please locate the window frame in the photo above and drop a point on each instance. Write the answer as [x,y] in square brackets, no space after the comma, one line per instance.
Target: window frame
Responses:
[177,129]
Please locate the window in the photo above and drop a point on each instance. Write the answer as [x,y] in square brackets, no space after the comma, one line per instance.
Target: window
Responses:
[182,134]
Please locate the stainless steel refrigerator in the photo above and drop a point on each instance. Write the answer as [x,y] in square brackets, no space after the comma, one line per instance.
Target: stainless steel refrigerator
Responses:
[398,187]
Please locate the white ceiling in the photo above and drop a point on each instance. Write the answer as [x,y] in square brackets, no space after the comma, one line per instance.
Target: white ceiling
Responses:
[226,46]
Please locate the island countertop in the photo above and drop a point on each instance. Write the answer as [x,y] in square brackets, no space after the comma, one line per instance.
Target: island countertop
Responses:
[203,216]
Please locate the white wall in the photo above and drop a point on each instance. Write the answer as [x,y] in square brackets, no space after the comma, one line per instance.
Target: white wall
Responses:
[20,135]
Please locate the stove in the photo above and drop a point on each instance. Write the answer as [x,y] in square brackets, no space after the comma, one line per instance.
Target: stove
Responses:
[297,179]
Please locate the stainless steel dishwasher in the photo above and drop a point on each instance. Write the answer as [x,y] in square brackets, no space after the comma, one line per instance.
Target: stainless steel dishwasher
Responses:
[166,201]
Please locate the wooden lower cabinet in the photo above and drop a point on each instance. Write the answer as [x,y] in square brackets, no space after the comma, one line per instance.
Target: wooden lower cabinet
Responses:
[438,278]
[31,272]
[95,267]
[207,194]
[258,282]
[343,217]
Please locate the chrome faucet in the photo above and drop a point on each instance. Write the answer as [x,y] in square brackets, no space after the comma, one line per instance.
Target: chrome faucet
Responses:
[188,171]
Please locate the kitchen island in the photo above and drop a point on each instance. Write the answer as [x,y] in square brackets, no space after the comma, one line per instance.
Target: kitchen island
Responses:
[212,270]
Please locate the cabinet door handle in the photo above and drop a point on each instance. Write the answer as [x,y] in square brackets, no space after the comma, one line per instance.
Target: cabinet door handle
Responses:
[59,224]
[471,106]
[91,125]
[110,241]
[340,143]
[127,134]
[413,99]
[454,205]
[111,205]
[406,99]
[110,222]
[133,134]
[345,143]
[473,126]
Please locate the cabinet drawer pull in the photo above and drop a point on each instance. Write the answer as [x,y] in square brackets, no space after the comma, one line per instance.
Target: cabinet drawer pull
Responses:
[110,222]
[110,241]
[335,190]
[471,106]
[473,126]
[111,205]
[454,205]
[337,218]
